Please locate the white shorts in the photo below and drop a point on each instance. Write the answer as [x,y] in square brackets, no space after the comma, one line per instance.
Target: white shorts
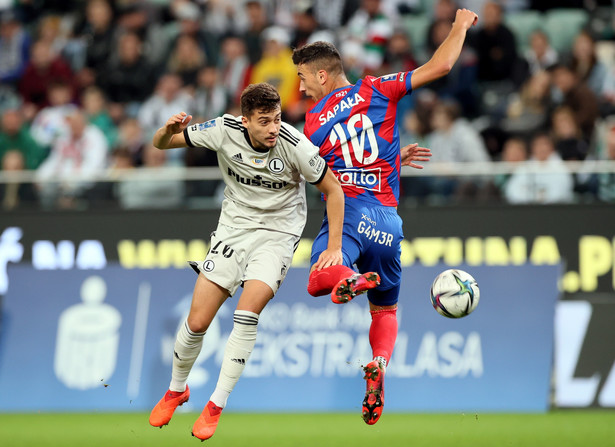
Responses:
[237,255]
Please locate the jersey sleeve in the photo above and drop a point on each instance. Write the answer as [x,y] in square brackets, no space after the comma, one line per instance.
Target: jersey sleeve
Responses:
[395,85]
[309,163]
[208,134]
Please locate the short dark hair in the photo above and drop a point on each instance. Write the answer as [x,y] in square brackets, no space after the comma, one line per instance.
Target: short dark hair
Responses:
[322,55]
[263,97]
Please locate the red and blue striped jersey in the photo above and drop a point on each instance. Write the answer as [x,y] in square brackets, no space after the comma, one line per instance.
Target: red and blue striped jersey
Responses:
[356,129]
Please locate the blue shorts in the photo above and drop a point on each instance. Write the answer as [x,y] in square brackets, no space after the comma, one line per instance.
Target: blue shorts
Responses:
[372,241]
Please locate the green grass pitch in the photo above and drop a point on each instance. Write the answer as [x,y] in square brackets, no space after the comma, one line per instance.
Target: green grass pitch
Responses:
[557,429]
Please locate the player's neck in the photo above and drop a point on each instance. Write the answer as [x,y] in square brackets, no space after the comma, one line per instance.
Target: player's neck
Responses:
[339,82]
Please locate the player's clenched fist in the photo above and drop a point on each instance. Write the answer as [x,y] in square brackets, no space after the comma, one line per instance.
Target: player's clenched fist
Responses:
[465,18]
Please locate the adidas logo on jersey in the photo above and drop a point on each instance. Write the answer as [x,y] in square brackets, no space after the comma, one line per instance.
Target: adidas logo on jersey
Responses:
[237,158]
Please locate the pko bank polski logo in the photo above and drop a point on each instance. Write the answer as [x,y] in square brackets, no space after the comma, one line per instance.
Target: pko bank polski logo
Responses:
[369,179]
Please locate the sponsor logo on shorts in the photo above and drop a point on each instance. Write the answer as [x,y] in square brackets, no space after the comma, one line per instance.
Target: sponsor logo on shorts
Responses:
[369,179]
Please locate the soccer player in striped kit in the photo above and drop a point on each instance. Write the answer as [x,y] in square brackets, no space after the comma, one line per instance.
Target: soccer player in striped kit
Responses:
[265,164]
[356,128]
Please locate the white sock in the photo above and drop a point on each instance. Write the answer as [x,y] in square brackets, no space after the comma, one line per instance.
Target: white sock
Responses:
[236,354]
[382,361]
[187,348]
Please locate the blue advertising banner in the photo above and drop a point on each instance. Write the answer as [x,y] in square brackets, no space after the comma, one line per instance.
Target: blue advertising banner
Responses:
[103,341]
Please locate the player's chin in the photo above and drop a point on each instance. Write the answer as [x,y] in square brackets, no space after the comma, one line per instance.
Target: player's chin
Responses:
[270,142]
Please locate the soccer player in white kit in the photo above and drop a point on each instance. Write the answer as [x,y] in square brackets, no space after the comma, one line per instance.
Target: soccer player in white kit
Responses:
[265,164]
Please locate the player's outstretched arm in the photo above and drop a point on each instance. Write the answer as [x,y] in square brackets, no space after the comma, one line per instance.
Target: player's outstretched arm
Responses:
[171,134]
[413,152]
[330,187]
[447,53]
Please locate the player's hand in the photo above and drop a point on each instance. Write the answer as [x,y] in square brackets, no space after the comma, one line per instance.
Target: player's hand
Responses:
[465,18]
[412,153]
[328,258]
[177,123]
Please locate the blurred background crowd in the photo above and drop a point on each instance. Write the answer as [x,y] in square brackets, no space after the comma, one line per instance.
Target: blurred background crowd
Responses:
[84,84]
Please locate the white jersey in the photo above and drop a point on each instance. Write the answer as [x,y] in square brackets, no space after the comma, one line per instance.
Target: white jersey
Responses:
[264,188]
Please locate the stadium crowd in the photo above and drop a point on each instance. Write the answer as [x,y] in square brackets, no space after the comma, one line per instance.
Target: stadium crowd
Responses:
[84,84]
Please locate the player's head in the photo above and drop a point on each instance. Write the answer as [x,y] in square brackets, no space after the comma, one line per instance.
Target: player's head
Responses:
[319,66]
[262,114]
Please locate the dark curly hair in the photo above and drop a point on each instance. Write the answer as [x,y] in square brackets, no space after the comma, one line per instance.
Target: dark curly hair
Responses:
[262,97]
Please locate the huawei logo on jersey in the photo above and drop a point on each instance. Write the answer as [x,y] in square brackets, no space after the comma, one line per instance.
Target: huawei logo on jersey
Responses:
[369,179]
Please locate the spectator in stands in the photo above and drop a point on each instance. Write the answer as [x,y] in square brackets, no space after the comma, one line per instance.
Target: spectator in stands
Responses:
[168,97]
[50,30]
[373,27]
[540,55]
[544,179]
[577,96]
[99,36]
[567,135]
[131,134]
[399,55]
[495,44]
[128,78]
[514,152]
[94,105]
[15,194]
[45,68]
[528,109]
[147,188]
[276,66]
[50,122]
[585,63]
[186,60]
[188,16]
[304,24]
[210,97]
[454,140]
[257,23]
[15,136]
[75,160]
[234,64]
[14,48]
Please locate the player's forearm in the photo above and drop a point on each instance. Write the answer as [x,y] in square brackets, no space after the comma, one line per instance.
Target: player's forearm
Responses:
[335,214]
[448,52]
[163,139]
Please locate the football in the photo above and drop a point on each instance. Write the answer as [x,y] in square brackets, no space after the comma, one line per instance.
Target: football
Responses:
[454,293]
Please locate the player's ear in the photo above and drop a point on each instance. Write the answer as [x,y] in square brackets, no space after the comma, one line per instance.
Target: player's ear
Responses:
[322,76]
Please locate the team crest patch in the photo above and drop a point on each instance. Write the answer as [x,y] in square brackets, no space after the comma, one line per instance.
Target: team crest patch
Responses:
[209,265]
[276,165]
[207,124]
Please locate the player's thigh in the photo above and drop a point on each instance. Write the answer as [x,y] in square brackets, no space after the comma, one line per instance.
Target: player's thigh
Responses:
[269,257]
[206,301]
[351,247]
[381,240]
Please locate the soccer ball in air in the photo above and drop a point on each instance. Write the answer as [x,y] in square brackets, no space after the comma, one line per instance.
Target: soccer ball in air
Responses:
[454,293]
